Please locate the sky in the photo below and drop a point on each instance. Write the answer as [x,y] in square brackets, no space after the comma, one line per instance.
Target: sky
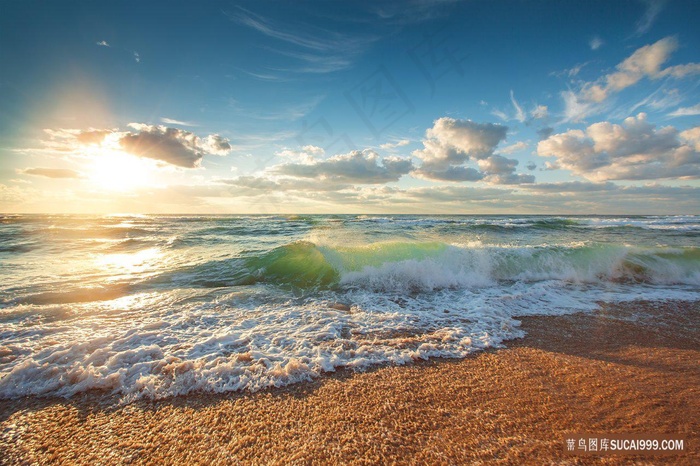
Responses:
[420,106]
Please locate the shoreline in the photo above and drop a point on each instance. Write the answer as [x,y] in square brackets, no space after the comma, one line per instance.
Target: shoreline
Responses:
[626,368]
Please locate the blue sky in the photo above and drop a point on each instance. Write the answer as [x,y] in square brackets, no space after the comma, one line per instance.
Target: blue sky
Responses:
[334,107]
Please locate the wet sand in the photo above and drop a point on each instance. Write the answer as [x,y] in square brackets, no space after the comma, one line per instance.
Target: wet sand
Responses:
[608,372]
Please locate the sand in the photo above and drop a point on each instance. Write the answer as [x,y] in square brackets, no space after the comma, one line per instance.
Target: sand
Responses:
[608,372]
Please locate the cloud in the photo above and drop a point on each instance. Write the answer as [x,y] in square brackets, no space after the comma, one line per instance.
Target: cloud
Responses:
[501,115]
[654,7]
[519,113]
[362,167]
[596,43]
[545,132]
[645,62]
[570,72]
[451,143]
[103,43]
[572,187]
[254,185]
[394,145]
[411,11]
[308,154]
[215,145]
[92,136]
[539,112]
[319,50]
[170,121]
[510,178]
[51,172]
[520,145]
[171,145]
[531,166]
[692,137]
[137,57]
[635,150]
[449,173]
[686,111]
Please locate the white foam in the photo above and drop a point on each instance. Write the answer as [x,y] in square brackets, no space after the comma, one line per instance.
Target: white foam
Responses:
[240,344]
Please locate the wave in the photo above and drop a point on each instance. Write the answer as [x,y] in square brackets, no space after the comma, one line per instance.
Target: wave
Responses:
[424,266]
[429,266]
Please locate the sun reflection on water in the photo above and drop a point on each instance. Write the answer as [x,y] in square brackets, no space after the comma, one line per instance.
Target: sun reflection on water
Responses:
[129,264]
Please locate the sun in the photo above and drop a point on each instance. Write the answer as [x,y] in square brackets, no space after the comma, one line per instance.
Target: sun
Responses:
[115,170]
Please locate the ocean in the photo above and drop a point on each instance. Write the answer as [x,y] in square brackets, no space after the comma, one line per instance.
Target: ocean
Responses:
[157,306]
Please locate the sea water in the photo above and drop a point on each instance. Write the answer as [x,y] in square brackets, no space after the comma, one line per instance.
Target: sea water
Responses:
[158,306]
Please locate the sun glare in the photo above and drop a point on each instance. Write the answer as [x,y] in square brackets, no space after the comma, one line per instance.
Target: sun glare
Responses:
[119,171]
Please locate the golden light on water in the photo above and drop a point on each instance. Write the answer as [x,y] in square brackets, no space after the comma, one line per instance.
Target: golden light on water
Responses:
[128,264]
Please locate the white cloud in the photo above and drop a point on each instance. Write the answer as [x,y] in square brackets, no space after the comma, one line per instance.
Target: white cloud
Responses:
[686,111]
[137,57]
[519,113]
[654,7]
[645,62]
[394,145]
[635,150]
[692,137]
[215,145]
[102,43]
[539,112]
[452,141]
[575,108]
[570,72]
[596,43]
[318,50]
[450,144]
[171,121]
[308,154]
[520,145]
[501,115]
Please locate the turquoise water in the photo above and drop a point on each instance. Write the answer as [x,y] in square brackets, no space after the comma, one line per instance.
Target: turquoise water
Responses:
[158,306]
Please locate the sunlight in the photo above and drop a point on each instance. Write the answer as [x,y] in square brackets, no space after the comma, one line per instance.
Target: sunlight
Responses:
[115,170]
[123,265]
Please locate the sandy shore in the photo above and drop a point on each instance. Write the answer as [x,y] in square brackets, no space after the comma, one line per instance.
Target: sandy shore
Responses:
[609,372]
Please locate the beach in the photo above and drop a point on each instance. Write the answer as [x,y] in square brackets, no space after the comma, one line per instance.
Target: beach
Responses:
[626,368]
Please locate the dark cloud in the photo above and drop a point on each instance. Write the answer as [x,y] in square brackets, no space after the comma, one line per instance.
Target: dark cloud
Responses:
[172,145]
[545,132]
[449,173]
[572,187]
[510,178]
[362,167]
